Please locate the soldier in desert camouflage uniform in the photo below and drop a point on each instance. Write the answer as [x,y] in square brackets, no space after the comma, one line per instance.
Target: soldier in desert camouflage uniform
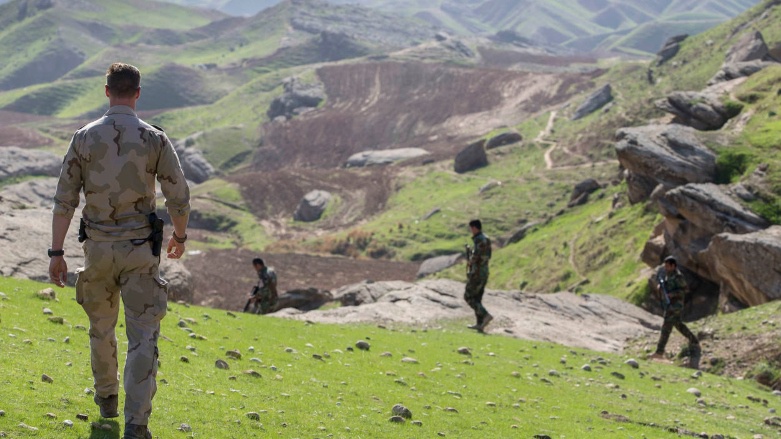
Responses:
[263,299]
[115,161]
[477,275]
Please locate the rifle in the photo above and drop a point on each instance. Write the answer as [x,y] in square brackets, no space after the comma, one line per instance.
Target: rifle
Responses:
[665,299]
[254,293]
[468,258]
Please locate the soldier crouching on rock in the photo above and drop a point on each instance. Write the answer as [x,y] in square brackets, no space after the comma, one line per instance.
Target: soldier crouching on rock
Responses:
[263,298]
[477,274]
[673,290]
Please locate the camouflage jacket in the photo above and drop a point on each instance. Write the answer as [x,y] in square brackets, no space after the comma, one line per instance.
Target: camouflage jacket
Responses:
[115,161]
[675,284]
[481,253]
[267,285]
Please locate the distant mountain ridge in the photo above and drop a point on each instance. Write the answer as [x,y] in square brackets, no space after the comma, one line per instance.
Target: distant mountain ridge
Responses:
[633,26]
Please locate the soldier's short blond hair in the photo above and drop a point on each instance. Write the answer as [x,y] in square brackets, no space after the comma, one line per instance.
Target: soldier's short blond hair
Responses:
[123,80]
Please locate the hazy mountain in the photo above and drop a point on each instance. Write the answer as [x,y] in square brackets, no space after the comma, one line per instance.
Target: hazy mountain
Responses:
[585,25]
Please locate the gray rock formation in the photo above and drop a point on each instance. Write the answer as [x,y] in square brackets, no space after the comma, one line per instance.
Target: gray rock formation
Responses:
[748,265]
[312,206]
[195,166]
[437,264]
[700,110]
[581,192]
[16,162]
[37,193]
[503,139]
[594,102]
[470,158]
[384,157]
[521,233]
[297,98]
[670,49]
[595,322]
[748,56]
[304,299]
[180,281]
[671,155]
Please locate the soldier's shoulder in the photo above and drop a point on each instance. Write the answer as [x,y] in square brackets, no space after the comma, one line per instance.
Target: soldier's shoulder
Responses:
[157,127]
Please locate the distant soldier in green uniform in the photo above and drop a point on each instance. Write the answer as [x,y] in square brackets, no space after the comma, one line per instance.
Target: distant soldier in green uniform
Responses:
[673,290]
[115,161]
[263,298]
[477,274]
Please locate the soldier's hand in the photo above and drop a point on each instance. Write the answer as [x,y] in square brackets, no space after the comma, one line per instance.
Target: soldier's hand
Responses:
[58,271]
[175,249]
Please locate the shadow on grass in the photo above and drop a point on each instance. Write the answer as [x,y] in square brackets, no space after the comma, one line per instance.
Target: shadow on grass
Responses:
[99,433]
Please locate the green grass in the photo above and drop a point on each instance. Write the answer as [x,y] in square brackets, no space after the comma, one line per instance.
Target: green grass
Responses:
[503,389]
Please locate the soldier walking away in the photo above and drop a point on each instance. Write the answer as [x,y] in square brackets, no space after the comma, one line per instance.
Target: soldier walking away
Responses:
[477,274]
[114,161]
[673,290]
[263,298]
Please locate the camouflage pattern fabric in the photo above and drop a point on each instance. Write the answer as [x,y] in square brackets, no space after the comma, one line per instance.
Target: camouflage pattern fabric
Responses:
[115,160]
[266,299]
[673,314]
[117,270]
[477,276]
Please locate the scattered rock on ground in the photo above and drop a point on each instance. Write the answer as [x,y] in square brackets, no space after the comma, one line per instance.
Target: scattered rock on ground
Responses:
[470,158]
[594,102]
[384,157]
[437,264]
[312,206]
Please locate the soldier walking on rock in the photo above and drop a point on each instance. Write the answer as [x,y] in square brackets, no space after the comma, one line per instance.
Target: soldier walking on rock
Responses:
[115,161]
[477,274]
[673,290]
[263,298]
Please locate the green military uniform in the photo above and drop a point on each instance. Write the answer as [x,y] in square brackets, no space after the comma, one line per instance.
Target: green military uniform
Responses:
[676,287]
[477,275]
[115,161]
[265,300]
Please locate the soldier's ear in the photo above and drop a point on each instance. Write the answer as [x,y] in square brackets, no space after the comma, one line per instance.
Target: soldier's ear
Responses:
[107,93]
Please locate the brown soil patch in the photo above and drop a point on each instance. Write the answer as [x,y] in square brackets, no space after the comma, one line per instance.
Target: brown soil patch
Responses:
[228,286]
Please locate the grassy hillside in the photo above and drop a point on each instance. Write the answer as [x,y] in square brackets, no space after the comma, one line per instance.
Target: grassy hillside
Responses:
[506,387]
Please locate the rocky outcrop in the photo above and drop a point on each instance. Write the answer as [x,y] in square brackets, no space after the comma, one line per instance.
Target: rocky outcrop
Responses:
[470,158]
[503,139]
[383,157]
[747,265]
[16,162]
[700,110]
[304,299]
[671,155]
[748,56]
[37,193]
[595,322]
[594,102]
[521,232]
[296,99]
[582,191]
[670,49]
[312,206]
[195,166]
[437,264]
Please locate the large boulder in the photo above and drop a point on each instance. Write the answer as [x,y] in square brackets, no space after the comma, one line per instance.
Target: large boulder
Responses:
[582,190]
[748,56]
[17,162]
[195,166]
[383,157]
[437,264]
[594,102]
[296,99]
[567,318]
[520,233]
[312,206]
[37,193]
[670,49]
[700,110]
[470,158]
[747,265]
[180,281]
[303,299]
[671,155]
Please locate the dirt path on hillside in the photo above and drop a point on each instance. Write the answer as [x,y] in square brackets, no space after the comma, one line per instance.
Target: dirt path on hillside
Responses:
[549,163]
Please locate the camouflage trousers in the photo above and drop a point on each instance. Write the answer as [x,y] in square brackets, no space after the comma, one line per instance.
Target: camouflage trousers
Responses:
[475,288]
[263,304]
[673,318]
[117,270]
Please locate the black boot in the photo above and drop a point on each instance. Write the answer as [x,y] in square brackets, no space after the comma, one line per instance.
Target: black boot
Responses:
[108,406]
[133,431]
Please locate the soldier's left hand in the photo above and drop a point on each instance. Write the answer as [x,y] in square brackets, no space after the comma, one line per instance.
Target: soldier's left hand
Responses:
[175,249]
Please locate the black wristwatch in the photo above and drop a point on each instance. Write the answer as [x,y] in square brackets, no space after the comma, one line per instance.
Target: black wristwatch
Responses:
[53,253]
